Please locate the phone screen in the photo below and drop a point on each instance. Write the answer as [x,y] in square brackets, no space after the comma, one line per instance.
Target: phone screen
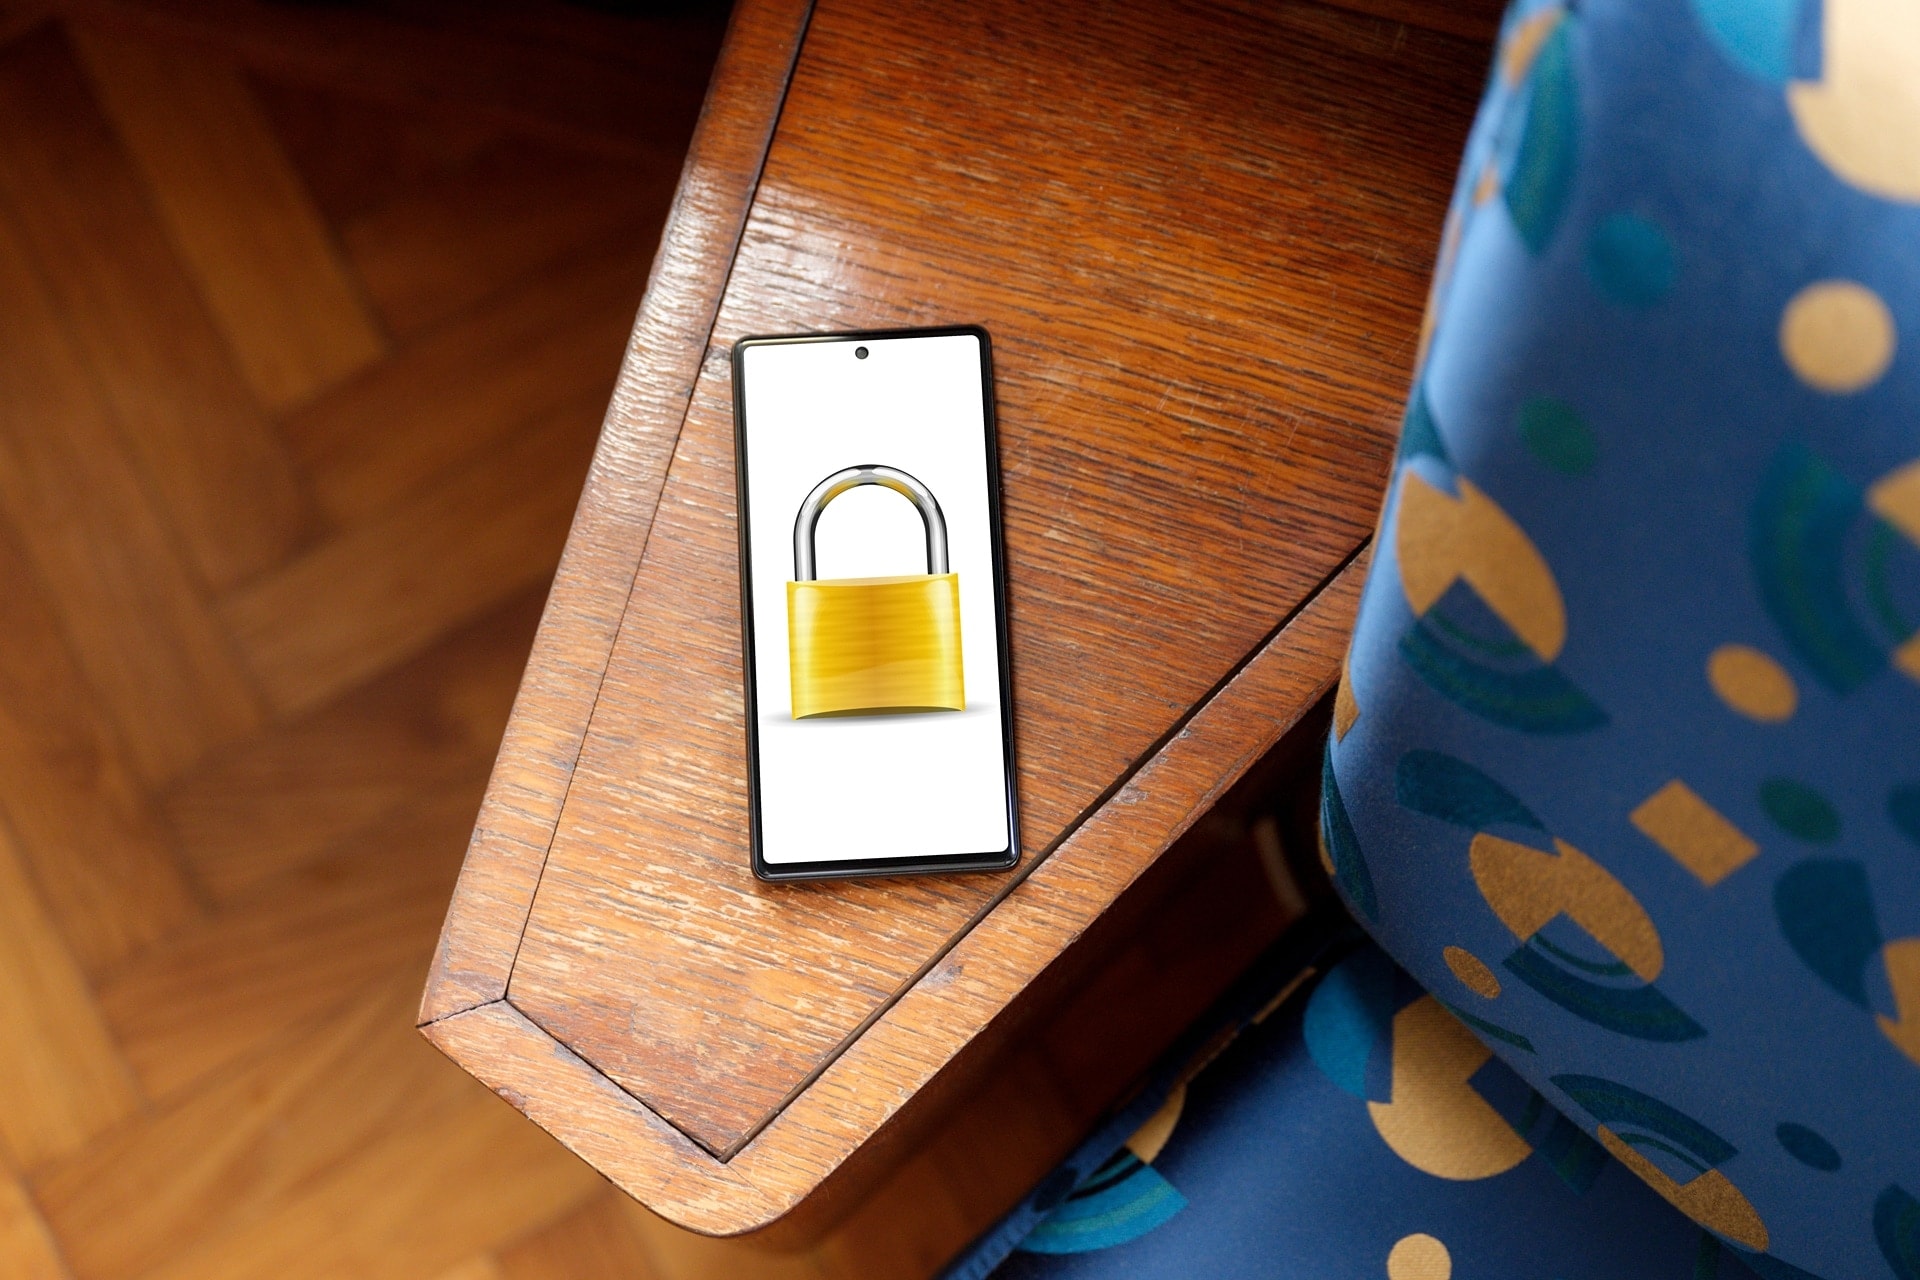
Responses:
[879,733]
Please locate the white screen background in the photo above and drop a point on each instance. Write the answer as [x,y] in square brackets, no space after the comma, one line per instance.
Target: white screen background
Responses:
[858,788]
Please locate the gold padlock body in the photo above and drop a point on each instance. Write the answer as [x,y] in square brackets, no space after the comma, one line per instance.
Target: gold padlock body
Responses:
[875,644]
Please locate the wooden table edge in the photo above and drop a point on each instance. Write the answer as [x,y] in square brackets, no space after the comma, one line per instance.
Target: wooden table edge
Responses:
[464,1010]
[1051,901]
[664,358]
[533,771]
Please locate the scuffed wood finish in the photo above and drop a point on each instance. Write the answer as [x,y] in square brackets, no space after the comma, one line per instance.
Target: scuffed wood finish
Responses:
[1143,434]
[590,591]
[1049,903]
[1200,246]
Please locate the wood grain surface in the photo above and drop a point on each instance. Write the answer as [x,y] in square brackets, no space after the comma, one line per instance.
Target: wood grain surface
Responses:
[1201,247]
[221,872]
[1039,912]
[560,75]
[217,898]
[209,451]
[590,592]
[274,280]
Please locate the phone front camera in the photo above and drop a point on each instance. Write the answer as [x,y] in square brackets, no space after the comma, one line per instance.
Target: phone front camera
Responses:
[860,353]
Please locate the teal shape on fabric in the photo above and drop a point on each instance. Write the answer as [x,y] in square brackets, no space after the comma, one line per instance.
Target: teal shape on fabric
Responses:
[1883,544]
[1348,1015]
[1808,1147]
[1474,641]
[1755,35]
[1599,968]
[1825,909]
[1799,810]
[1343,846]
[1546,157]
[1493,1030]
[1420,432]
[1903,810]
[1440,786]
[1621,1107]
[1641,1011]
[1630,260]
[1558,436]
[1507,1093]
[1797,540]
[1120,1201]
[1896,1226]
[1537,700]
[1574,1156]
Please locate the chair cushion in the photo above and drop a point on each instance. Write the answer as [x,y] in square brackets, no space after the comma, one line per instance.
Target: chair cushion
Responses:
[1355,1131]
[1626,763]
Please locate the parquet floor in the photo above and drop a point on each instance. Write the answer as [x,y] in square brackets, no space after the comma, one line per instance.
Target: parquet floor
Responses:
[308,316]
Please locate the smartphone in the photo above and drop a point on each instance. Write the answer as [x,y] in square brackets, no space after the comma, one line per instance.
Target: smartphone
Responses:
[873,605]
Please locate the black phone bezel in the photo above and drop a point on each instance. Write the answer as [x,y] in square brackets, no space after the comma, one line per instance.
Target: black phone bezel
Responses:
[1000,860]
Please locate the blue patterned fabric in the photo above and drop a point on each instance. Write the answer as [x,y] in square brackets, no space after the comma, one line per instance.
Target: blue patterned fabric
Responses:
[1626,761]
[1627,757]
[1355,1131]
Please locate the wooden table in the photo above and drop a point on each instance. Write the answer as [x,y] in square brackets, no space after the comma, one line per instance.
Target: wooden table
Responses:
[1200,236]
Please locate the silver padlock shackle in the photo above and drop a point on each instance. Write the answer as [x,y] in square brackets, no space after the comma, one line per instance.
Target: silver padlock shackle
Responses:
[852,478]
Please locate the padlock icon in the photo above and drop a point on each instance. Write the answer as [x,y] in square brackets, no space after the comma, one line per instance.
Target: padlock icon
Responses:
[873,644]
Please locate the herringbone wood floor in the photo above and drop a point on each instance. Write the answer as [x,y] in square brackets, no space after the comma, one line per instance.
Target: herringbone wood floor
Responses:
[308,316]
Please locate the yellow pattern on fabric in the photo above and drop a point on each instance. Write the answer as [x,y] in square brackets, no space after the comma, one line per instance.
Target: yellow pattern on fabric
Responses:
[1862,116]
[1527,887]
[1709,1199]
[1419,1257]
[1524,44]
[1837,336]
[1752,683]
[1148,1140]
[1487,187]
[1441,539]
[1907,657]
[1902,958]
[1695,833]
[1435,1120]
[1345,709]
[1895,498]
[1473,972]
